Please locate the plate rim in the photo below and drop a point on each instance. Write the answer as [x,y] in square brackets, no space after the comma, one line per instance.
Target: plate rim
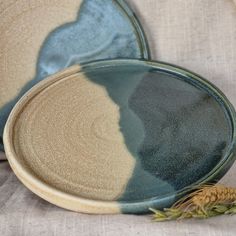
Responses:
[142,37]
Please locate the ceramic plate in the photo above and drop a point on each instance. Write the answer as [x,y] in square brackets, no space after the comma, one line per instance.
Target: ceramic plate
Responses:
[39,38]
[120,136]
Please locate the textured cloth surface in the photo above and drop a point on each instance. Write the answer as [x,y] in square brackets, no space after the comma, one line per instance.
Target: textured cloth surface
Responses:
[197,34]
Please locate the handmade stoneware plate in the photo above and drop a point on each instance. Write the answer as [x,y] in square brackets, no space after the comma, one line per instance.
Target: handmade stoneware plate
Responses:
[39,38]
[120,136]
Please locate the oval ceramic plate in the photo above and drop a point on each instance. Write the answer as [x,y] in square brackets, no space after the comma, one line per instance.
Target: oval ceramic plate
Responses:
[39,38]
[120,136]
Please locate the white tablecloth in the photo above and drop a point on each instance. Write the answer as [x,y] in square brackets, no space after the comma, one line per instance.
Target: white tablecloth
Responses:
[197,34]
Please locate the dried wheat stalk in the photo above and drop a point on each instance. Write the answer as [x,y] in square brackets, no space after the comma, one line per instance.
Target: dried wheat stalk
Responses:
[206,201]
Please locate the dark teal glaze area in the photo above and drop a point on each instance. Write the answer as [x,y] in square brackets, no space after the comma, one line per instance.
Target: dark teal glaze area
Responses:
[120,84]
[175,129]
[186,130]
[104,29]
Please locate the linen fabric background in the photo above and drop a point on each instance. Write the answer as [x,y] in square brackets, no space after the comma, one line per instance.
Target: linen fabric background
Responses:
[197,34]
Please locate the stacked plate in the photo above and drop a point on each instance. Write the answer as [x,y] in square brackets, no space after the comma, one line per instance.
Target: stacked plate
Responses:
[39,38]
[117,135]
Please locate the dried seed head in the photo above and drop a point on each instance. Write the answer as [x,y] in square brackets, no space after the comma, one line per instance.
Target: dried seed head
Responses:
[208,195]
[206,201]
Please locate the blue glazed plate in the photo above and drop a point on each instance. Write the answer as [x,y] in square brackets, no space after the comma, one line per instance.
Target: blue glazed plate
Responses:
[39,38]
[120,136]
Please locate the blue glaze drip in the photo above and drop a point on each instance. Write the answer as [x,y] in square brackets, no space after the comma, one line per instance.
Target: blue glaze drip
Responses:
[101,31]
[175,131]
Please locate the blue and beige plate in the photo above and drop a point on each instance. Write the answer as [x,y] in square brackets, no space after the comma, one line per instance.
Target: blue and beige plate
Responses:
[41,37]
[120,136]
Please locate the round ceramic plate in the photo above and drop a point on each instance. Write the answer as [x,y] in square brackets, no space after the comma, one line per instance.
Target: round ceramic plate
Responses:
[120,136]
[39,38]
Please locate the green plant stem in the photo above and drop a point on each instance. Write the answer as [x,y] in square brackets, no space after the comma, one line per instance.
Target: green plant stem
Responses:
[177,214]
